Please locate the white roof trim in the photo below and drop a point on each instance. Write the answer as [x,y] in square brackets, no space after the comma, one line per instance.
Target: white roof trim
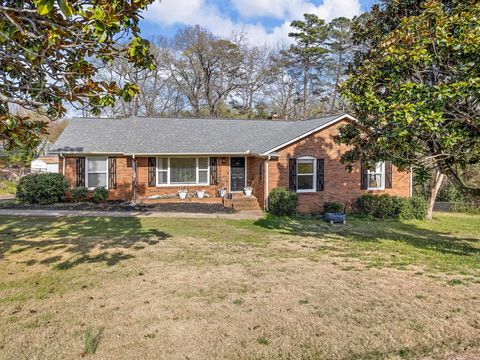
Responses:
[341,117]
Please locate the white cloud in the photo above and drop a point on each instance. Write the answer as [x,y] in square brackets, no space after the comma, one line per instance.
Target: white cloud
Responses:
[206,14]
[292,9]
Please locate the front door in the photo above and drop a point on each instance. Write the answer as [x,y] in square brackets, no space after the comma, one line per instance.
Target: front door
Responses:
[237,173]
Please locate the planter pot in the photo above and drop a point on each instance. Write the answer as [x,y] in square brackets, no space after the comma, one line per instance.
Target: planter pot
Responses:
[201,194]
[248,191]
[223,192]
[182,194]
[335,218]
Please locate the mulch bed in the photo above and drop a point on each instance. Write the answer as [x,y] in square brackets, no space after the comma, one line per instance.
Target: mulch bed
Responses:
[186,207]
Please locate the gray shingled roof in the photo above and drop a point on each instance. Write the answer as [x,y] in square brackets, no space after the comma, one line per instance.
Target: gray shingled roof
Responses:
[180,135]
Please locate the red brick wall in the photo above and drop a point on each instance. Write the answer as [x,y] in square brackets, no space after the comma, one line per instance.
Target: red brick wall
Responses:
[256,178]
[340,185]
[124,179]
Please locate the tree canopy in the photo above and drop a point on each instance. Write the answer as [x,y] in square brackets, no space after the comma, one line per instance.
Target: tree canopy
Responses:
[46,53]
[417,94]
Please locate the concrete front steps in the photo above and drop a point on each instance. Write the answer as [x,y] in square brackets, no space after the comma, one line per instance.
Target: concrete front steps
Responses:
[243,203]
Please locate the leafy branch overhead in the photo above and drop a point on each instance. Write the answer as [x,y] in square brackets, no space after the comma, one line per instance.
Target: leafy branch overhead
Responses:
[46,53]
[417,93]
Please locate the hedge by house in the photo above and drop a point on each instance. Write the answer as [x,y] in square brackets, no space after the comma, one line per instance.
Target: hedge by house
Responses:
[44,188]
[79,193]
[100,194]
[392,207]
[282,202]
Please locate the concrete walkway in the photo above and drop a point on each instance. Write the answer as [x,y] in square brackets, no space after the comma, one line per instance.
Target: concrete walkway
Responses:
[242,215]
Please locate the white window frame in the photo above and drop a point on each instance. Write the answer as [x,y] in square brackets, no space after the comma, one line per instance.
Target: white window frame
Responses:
[87,159]
[312,159]
[169,184]
[382,177]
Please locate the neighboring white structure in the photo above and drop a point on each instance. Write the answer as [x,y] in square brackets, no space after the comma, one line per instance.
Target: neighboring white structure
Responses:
[45,164]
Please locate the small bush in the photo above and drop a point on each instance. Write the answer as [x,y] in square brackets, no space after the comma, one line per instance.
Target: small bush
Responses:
[79,194]
[392,207]
[332,207]
[45,188]
[100,194]
[282,202]
[416,209]
[465,207]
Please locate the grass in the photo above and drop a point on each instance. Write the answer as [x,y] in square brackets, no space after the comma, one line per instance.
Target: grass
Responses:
[91,340]
[275,288]
[8,187]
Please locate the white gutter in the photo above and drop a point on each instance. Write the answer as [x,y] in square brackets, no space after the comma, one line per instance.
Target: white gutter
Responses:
[63,163]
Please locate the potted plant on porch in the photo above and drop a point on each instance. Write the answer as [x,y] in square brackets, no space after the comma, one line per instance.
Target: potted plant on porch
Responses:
[200,194]
[248,191]
[182,194]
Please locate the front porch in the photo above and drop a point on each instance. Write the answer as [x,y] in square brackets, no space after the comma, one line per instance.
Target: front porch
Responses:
[236,201]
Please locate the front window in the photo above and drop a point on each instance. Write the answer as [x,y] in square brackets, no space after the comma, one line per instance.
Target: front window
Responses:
[376,178]
[305,174]
[97,172]
[182,171]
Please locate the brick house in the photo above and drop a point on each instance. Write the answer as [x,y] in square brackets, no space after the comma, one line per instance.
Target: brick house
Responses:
[145,158]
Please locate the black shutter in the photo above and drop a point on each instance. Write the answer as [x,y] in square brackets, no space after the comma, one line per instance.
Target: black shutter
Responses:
[112,173]
[363,177]
[80,172]
[320,174]
[152,171]
[292,174]
[388,175]
[213,171]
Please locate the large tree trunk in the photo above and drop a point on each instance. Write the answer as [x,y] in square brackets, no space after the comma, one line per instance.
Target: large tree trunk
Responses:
[434,186]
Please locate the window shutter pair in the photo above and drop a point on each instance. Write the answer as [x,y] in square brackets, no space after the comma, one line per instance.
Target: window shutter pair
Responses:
[112,172]
[152,171]
[292,174]
[388,176]
[213,171]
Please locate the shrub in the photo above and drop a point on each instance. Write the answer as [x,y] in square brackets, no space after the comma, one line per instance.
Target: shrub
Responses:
[79,194]
[465,207]
[44,188]
[415,209]
[393,207]
[282,202]
[332,207]
[100,194]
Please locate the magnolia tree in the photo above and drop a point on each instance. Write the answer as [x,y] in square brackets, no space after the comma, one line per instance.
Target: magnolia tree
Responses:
[417,96]
[46,53]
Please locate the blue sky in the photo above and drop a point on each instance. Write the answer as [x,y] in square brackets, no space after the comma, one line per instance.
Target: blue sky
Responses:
[262,21]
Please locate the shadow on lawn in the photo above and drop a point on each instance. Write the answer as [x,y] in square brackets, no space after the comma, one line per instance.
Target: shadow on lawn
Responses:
[82,240]
[368,230]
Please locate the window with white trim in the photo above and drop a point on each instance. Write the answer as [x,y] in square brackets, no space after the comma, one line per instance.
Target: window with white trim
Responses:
[376,178]
[97,172]
[183,171]
[306,174]
[162,170]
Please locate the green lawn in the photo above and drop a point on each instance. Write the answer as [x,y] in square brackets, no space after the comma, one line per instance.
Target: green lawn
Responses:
[211,288]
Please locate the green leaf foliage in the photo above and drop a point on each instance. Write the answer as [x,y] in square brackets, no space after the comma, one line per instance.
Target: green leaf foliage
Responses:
[51,52]
[417,93]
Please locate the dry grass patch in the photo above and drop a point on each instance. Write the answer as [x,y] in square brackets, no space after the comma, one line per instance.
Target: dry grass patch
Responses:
[271,289]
